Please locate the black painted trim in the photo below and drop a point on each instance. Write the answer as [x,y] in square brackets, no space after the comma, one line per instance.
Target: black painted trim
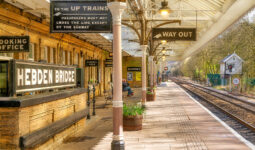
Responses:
[26,101]
[43,135]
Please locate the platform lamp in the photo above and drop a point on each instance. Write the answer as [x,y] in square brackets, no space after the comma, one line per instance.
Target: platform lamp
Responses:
[108,1]
[164,9]
[164,57]
[164,50]
[163,42]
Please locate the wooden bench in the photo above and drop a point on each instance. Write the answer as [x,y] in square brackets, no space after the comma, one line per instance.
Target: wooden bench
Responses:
[124,94]
[108,96]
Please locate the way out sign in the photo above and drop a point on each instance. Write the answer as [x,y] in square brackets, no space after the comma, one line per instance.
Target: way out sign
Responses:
[174,34]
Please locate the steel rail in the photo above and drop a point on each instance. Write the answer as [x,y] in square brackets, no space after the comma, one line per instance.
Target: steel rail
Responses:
[252,110]
[248,125]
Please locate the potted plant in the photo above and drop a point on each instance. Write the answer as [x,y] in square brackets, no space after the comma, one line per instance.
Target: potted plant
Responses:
[154,89]
[132,117]
[91,81]
[150,95]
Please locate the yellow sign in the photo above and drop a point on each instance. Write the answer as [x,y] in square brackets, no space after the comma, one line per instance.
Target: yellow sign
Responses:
[138,76]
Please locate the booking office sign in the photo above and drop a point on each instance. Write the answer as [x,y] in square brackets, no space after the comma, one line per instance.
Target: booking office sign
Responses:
[68,16]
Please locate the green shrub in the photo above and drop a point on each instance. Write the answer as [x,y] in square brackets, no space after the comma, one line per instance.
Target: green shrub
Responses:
[132,110]
[149,92]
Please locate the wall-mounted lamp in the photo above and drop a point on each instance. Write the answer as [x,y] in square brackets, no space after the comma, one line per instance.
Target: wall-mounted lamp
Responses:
[164,10]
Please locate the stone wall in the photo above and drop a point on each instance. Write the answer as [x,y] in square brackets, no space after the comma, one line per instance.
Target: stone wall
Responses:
[19,121]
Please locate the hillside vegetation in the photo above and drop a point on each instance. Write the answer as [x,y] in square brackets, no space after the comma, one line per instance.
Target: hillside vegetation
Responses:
[240,38]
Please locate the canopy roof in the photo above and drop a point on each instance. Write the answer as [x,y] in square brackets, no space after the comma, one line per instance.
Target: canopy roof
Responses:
[210,17]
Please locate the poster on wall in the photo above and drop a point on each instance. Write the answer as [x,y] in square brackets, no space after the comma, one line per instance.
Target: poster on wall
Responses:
[138,76]
[130,76]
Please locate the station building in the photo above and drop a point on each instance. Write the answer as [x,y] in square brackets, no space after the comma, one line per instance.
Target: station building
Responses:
[29,115]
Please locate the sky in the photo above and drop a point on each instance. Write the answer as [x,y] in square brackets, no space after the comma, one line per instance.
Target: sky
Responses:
[251,16]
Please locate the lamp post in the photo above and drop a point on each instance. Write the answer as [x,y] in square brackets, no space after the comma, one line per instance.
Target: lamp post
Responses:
[118,143]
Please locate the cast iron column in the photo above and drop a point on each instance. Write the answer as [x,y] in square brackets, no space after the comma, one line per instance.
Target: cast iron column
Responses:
[155,73]
[116,9]
[94,101]
[144,48]
[88,103]
[151,70]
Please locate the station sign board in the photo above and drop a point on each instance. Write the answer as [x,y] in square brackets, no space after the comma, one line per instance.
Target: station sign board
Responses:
[108,60]
[30,76]
[10,44]
[108,65]
[174,34]
[91,63]
[134,69]
[80,16]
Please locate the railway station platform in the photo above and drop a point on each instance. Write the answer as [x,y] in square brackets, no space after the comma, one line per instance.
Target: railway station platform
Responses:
[174,121]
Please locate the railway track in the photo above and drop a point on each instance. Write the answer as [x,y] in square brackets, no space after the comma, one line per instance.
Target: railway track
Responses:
[241,110]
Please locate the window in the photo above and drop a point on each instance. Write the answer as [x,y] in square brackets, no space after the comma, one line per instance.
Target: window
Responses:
[31,54]
[81,61]
[63,57]
[46,53]
[68,58]
[76,58]
[3,78]
[51,55]
[6,56]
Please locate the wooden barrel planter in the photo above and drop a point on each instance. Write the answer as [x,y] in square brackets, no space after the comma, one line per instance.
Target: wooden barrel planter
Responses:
[132,123]
[150,97]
